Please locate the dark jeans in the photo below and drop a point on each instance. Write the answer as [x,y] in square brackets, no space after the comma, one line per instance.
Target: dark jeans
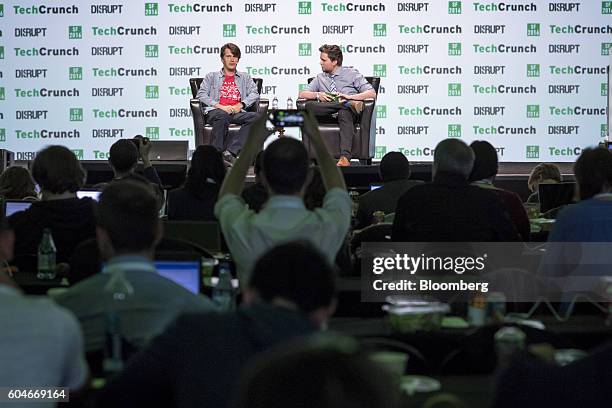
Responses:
[220,121]
[346,122]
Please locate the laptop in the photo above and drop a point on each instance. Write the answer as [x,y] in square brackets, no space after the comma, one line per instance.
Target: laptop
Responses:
[205,234]
[555,195]
[10,207]
[186,273]
[93,194]
[169,150]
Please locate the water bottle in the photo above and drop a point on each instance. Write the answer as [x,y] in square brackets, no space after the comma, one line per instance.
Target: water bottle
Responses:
[223,293]
[117,290]
[46,256]
[289,103]
[508,342]
[275,103]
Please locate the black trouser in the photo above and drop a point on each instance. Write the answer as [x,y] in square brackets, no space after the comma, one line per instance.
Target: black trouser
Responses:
[346,122]
[220,120]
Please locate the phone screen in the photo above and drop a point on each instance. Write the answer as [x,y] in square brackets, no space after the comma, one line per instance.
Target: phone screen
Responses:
[286,118]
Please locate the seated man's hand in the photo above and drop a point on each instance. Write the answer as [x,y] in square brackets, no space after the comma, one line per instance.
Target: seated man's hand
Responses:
[227,109]
[324,97]
[344,97]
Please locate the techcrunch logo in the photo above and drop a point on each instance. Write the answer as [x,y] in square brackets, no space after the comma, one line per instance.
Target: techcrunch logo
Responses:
[46,93]
[46,10]
[429,111]
[359,49]
[175,132]
[566,151]
[578,70]
[277,71]
[123,72]
[121,30]
[576,110]
[429,70]
[123,113]
[429,29]
[197,49]
[176,91]
[352,7]
[199,8]
[277,30]
[504,49]
[580,29]
[493,7]
[46,52]
[504,89]
[416,151]
[503,130]
[47,134]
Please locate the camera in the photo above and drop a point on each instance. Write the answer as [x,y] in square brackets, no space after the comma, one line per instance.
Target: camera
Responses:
[139,139]
[286,118]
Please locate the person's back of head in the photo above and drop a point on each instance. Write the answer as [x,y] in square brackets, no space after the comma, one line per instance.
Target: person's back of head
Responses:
[123,155]
[295,272]
[543,172]
[485,161]
[127,219]
[593,171]
[206,165]
[453,156]
[394,166]
[57,170]
[16,183]
[285,166]
[316,372]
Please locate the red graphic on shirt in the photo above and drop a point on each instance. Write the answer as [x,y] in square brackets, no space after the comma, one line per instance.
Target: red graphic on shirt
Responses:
[230,95]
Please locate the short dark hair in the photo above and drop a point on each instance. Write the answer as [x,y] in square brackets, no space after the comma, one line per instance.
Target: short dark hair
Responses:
[258,163]
[319,371]
[56,169]
[16,183]
[486,163]
[123,155]
[394,166]
[206,163]
[128,212]
[541,172]
[232,47]
[285,165]
[333,52]
[453,156]
[593,171]
[297,272]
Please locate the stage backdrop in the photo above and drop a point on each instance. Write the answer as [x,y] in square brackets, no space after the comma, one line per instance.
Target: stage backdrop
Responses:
[530,77]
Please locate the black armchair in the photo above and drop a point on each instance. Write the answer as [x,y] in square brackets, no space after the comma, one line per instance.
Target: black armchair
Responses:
[201,129]
[364,138]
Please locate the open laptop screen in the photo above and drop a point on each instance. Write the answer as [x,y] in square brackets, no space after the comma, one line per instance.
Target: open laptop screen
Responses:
[93,194]
[184,273]
[13,206]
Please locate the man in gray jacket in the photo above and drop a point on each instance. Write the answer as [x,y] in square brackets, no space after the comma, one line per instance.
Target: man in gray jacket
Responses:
[226,95]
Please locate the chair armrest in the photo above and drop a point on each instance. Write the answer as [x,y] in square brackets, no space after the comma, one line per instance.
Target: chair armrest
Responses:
[262,106]
[199,120]
[368,123]
[300,103]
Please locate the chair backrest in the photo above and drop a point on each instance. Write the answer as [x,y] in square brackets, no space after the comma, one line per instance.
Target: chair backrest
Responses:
[195,83]
[374,81]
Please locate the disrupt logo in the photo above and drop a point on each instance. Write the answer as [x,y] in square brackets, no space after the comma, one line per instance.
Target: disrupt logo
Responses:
[151,9]
[604,89]
[454,49]
[606,7]
[76,114]
[79,154]
[454,89]
[151,51]
[381,111]
[151,92]
[380,30]
[2,135]
[603,130]
[305,49]
[75,73]
[532,152]
[379,70]
[152,132]
[304,7]
[229,30]
[533,70]
[605,48]
[75,32]
[454,7]
[454,130]
[379,151]
[533,111]
[533,29]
